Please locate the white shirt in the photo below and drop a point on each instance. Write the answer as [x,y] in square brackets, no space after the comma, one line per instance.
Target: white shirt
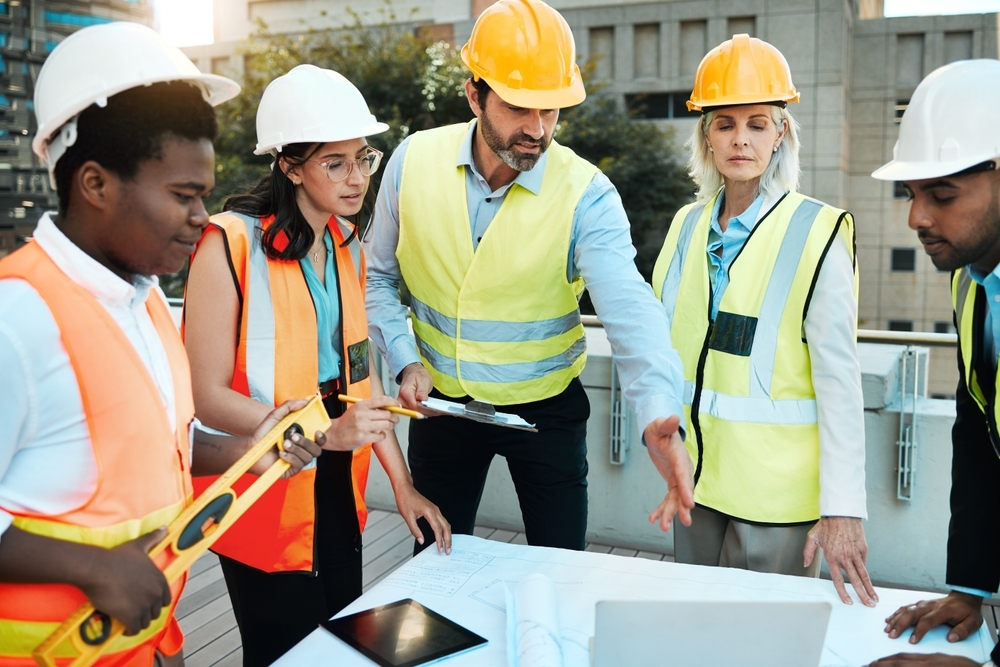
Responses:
[47,463]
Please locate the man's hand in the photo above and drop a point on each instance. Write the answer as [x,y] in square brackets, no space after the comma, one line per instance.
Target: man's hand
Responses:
[842,539]
[412,506]
[924,660]
[361,423]
[415,386]
[671,458]
[126,584]
[297,452]
[962,611]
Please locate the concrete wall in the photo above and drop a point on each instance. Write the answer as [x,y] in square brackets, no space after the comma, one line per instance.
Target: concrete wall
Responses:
[906,538]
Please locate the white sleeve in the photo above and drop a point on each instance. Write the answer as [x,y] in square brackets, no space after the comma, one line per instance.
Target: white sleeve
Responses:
[831,333]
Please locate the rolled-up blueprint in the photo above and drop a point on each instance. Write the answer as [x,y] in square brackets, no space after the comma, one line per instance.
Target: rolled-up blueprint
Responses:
[533,638]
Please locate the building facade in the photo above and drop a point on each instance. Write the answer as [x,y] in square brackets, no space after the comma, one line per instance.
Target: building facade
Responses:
[855,69]
[29,30]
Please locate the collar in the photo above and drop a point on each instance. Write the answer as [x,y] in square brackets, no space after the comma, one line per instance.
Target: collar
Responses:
[529,180]
[748,219]
[87,272]
[980,277]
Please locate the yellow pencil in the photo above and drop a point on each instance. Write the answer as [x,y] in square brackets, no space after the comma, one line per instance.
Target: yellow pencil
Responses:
[399,411]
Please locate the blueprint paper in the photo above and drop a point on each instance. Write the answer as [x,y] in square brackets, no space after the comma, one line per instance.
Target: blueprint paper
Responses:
[468,588]
[533,635]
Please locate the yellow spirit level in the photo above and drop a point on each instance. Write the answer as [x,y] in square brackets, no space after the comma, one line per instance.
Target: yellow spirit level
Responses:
[90,632]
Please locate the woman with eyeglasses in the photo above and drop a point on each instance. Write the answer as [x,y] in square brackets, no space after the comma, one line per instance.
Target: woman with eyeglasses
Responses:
[275,309]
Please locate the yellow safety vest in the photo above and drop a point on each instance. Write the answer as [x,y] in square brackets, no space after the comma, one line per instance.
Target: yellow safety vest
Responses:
[500,323]
[752,409]
[969,300]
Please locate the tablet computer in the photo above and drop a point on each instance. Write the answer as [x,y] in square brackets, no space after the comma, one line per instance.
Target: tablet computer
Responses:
[402,634]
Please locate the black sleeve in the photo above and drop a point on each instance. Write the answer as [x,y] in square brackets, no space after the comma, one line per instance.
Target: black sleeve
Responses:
[974,532]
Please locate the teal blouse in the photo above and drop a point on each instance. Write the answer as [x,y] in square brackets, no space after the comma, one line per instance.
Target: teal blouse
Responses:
[326,300]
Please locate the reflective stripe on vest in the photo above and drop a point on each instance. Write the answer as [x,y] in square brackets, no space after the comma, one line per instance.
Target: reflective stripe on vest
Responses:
[758,402]
[142,463]
[276,361]
[968,297]
[500,322]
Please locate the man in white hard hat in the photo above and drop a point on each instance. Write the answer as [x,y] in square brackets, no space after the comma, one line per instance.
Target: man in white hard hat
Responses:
[947,157]
[496,229]
[96,414]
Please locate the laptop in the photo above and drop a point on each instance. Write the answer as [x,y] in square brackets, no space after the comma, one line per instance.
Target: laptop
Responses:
[709,634]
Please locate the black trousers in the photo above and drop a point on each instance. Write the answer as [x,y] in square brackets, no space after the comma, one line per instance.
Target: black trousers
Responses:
[275,611]
[450,457]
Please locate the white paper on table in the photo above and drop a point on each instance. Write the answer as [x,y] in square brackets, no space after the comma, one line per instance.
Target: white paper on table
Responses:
[533,632]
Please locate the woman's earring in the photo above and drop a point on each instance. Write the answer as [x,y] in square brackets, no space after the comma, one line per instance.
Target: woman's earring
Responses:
[775,150]
[711,150]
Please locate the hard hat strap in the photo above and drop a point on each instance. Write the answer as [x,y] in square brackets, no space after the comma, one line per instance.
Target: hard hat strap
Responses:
[58,145]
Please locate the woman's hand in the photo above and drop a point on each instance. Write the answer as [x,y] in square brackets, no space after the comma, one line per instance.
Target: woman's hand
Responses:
[297,452]
[360,424]
[412,506]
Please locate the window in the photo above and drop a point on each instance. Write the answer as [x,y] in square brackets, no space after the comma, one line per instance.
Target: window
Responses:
[220,65]
[909,60]
[740,25]
[900,109]
[3,38]
[694,45]
[74,19]
[900,325]
[944,326]
[957,46]
[904,260]
[647,51]
[602,52]
[660,105]
[899,190]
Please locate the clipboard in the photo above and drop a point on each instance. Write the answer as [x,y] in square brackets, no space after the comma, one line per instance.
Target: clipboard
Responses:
[479,411]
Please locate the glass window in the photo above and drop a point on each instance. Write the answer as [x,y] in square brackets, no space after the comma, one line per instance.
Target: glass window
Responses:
[944,326]
[900,325]
[74,19]
[904,260]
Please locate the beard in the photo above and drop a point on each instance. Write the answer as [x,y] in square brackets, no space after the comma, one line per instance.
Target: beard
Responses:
[983,240]
[506,150]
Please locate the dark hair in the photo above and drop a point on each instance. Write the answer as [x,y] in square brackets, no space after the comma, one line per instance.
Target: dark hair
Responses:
[482,88]
[290,236]
[132,129]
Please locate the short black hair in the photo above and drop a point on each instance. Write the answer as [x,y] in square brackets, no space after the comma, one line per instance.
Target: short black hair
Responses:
[132,128]
[482,88]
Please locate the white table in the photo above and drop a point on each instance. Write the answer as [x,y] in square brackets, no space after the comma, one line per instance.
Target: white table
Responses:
[468,587]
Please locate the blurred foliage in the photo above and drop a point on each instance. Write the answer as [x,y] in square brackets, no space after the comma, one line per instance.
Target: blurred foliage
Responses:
[412,82]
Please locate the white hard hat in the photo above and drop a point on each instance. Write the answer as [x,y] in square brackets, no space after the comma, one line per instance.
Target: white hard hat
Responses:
[311,104]
[950,124]
[99,61]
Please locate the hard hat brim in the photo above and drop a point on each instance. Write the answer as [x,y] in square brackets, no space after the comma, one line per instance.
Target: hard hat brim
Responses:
[320,137]
[739,101]
[216,90]
[899,170]
[540,99]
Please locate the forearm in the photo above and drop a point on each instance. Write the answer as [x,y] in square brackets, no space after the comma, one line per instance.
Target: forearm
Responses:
[215,454]
[228,410]
[26,558]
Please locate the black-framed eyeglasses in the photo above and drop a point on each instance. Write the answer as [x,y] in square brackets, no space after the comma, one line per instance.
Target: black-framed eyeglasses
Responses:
[338,168]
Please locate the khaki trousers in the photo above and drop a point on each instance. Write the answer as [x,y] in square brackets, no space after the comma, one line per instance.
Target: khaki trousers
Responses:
[716,539]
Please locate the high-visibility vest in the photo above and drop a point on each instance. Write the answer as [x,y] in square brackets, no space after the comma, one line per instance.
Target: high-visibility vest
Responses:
[277,361]
[144,479]
[748,391]
[969,300]
[500,323]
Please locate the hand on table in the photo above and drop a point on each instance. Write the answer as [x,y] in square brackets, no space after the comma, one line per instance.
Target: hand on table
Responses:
[298,451]
[415,386]
[843,542]
[962,611]
[923,660]
[671,458]
[361,423]
[412,506]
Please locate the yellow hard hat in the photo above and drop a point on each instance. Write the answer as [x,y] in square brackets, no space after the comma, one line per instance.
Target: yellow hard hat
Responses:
[525,51]
[742,70]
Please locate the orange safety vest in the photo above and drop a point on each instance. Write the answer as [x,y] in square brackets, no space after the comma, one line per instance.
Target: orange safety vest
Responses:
[276,361]
[144,479]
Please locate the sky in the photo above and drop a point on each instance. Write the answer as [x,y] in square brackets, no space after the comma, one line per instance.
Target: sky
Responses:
[189,22]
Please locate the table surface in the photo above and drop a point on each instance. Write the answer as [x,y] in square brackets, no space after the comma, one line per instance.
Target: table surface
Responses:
[468,587]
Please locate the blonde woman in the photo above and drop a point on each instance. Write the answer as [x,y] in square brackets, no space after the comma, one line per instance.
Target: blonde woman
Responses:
[760,287]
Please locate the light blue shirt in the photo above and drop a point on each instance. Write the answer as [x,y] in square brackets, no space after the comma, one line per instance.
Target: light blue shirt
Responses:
[724,246]
[326,299]
[600,251]
[990,283]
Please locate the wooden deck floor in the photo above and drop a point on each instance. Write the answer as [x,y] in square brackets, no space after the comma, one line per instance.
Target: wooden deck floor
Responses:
[206,615]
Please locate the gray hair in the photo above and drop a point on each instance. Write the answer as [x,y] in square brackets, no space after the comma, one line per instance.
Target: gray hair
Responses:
[781,175]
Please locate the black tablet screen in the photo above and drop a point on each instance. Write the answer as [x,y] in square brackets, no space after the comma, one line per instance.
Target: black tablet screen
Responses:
[402,634]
